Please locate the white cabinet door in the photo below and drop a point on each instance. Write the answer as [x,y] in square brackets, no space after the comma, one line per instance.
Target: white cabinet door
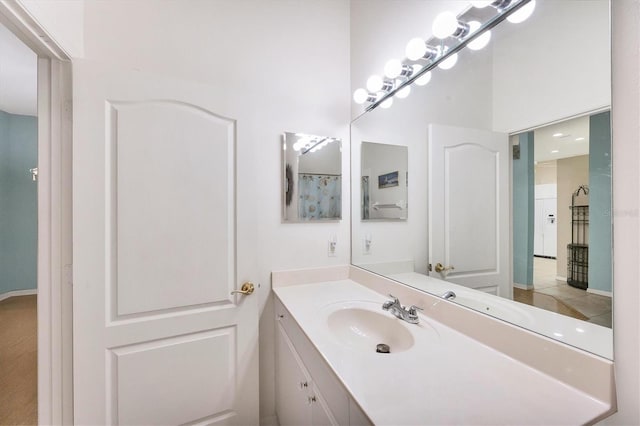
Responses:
[469,207]
[158,338]
[293,386]
[320,412]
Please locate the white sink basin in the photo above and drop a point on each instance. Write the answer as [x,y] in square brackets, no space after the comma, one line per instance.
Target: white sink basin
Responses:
[364,325]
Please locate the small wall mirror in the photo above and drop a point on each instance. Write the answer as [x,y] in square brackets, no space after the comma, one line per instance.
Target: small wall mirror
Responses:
[383,182]
[312,178]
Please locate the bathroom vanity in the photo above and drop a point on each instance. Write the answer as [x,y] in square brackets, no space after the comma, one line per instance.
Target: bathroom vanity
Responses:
[456,366]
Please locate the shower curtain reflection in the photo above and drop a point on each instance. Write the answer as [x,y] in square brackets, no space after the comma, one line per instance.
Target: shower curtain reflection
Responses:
[319,196]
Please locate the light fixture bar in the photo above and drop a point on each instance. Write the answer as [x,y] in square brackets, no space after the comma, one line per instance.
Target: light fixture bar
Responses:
[491,23]
[314,145]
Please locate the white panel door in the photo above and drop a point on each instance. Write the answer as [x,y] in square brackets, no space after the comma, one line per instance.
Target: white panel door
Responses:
[469,207]
[158,336]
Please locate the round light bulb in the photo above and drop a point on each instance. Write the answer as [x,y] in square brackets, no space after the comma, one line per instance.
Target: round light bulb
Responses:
[387,103]
[449,62]
[481,3]
[480,42]
[404,92]
[393,68]
[523,13]
[416,48]
[360,96]
[374,83]
[444,25]
[424,79]
[303,142]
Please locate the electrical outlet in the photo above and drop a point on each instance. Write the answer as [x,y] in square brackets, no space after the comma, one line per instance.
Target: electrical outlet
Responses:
[331,248]
[366,244]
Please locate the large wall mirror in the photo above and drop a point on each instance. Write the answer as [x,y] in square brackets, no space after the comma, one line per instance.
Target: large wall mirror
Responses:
[510,176]
[311,178]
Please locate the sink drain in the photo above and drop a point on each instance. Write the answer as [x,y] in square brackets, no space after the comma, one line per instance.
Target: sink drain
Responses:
[382,348]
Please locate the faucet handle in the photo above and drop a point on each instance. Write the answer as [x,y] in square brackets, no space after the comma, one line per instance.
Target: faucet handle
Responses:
[413,309]
[389,303]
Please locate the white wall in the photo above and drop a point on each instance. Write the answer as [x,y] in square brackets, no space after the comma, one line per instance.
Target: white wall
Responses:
[63,20]
[324,161]
[542,66]
[626,209]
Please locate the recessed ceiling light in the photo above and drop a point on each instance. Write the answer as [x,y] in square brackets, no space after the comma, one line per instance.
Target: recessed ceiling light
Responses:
[557,135]
[579,139]
[554,151]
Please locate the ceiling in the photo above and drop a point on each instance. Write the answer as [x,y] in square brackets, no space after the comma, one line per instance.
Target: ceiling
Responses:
[18,75]
[567,141]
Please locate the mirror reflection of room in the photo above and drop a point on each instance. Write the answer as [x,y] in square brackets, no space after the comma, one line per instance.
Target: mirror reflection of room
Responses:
[312,177]
[570,271]
[467,228]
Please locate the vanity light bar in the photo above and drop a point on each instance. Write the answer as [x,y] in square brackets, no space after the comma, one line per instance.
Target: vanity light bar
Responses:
[319,144]
[434,51]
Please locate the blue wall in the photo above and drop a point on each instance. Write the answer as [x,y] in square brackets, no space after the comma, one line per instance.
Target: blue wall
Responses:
[18,202]
[523,212]
[600,202]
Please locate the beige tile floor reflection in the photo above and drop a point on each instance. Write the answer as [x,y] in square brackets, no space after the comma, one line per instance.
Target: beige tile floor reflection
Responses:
[557,296]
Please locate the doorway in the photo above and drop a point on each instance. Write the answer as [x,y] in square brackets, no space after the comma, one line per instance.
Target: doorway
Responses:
[54,237]
[18,231]
[568,158]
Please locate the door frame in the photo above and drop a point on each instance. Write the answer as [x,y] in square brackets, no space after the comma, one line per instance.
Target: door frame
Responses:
[54,282]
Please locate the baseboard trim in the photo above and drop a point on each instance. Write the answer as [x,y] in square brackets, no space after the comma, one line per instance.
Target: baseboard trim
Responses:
[559,278]
[523,286]
[14,293]
[600,292]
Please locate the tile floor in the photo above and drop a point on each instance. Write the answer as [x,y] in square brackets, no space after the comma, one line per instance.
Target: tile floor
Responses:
[557,296]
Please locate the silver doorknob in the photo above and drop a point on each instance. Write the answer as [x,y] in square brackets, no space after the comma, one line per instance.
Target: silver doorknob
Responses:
[440,268]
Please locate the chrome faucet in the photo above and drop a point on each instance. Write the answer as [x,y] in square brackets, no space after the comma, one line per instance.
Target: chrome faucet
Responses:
[409,315]
[448,295]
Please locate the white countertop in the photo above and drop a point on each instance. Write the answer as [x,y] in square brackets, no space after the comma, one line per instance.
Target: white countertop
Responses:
[445,378]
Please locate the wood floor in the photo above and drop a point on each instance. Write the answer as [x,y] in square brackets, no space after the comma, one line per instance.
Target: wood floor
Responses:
[18,361]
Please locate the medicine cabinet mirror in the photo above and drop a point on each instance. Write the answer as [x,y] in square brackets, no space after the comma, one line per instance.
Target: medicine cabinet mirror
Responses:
[383,182]
[499,146]
[311,178]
